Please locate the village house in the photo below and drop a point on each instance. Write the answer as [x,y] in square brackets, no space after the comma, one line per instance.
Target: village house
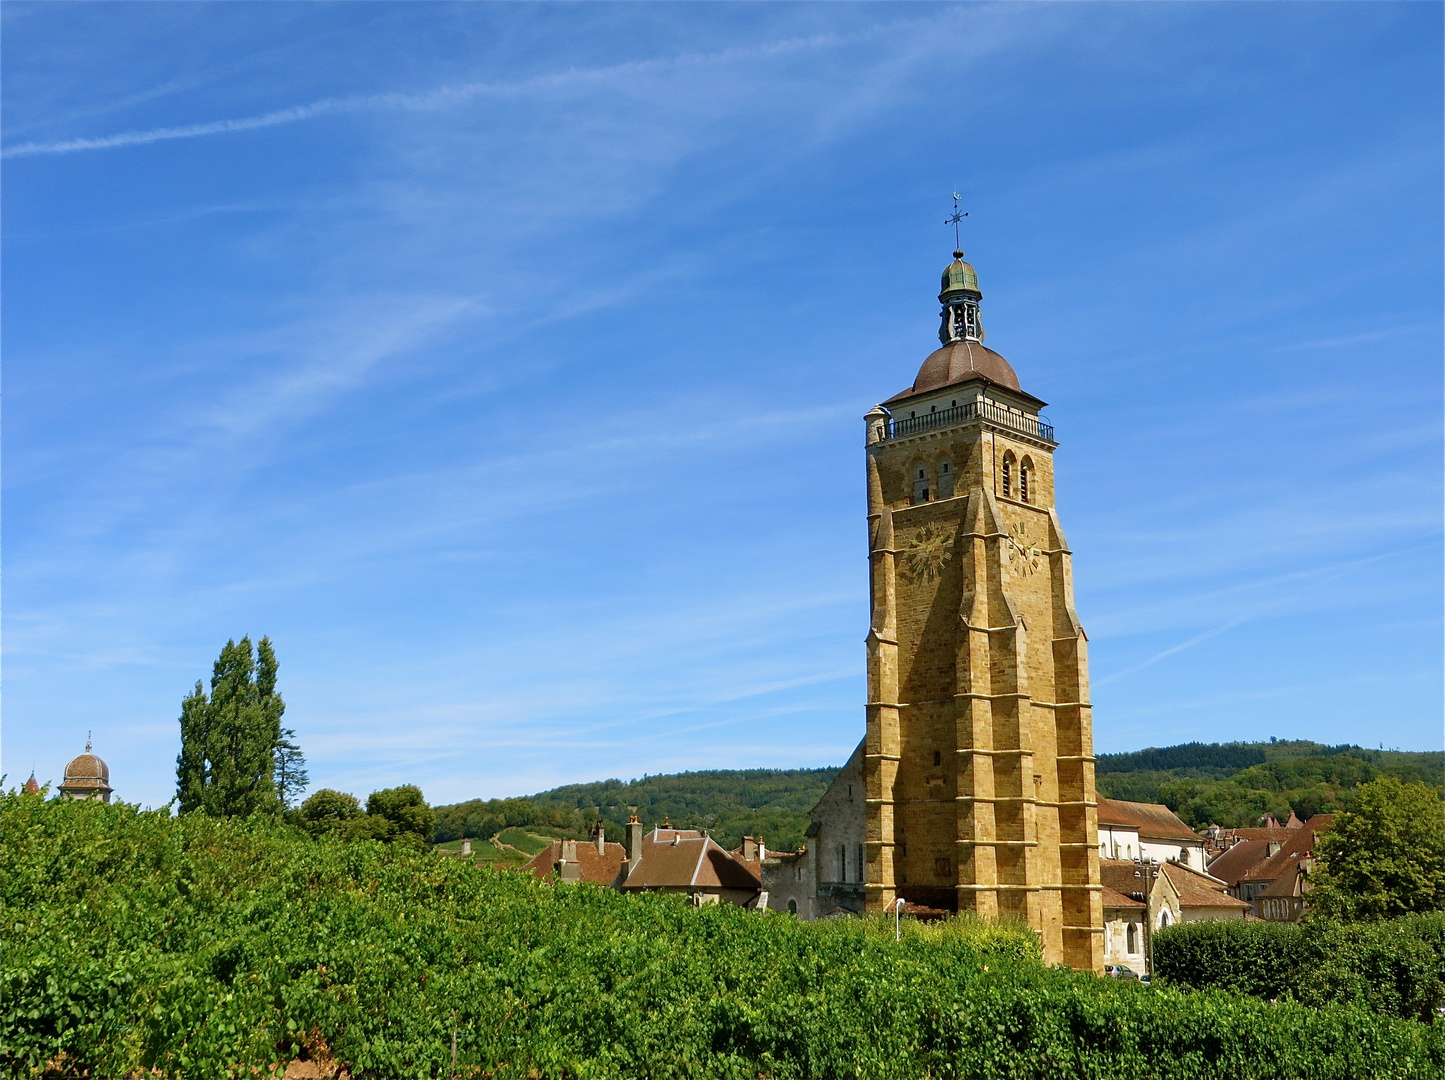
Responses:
[1241,850]
[595,860]
[1276,886]
[1130,830]
[1183,894]
[662,860]
[691,862]
[1124,931]
[1141,897]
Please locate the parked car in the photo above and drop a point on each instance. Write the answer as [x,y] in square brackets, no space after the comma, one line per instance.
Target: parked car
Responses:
[1119,971]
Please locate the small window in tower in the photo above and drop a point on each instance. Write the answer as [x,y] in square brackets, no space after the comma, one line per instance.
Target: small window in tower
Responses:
[793,910]
[938,757]
[912,414]
[920,485]
[1133,946]
[945,481]
[942,867]
[933,408]
[953,404]
[1008,462]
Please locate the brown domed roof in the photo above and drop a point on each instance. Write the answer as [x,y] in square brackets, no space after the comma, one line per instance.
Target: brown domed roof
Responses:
[87,767]
[958,362]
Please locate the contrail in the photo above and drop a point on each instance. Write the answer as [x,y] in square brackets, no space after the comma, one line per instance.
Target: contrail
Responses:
[434,99]
[1309,575]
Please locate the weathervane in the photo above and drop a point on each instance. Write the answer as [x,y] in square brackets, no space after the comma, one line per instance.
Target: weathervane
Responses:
[955,219]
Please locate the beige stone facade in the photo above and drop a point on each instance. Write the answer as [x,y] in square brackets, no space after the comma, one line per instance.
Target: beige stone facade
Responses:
[978,759]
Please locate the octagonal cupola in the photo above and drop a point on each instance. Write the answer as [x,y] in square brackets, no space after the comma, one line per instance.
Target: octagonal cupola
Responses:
[960,296]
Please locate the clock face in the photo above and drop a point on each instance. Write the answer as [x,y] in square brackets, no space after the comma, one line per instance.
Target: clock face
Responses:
[1024,555]
[926,552]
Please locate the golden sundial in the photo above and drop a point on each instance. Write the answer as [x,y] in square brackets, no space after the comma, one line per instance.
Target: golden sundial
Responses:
[1024,555]
[926,552]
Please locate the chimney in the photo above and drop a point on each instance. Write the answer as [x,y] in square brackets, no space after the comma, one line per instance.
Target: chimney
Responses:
[762,850]
[750,849]
[634,843]
[599,833]
[568,868]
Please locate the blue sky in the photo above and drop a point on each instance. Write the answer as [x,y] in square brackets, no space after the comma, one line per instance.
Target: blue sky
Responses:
[506,365]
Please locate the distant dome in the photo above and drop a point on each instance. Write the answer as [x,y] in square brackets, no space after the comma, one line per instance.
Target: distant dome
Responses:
[87,777]
[959,362]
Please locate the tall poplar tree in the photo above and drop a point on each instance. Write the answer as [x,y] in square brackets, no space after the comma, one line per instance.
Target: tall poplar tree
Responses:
[227,763]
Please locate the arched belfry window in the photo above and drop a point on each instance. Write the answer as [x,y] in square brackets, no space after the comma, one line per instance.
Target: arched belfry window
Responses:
[1008,475]
[945,480]
[920,483]
[1026,476]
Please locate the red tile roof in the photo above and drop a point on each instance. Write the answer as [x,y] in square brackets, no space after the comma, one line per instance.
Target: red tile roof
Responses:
[1155,821]
[1301,842]
[1128,878]
[1198,890]
[601,869]
[1232,864]
[1290,881]
[684,858]
[1114,901]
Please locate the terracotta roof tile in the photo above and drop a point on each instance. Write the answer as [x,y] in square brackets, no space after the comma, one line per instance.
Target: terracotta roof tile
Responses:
[601,869]
[1301,842]
[1113,901]
[1127,877]
[1155,821]
[683,858]
[1289,882]
[1232,864]
[1197,890]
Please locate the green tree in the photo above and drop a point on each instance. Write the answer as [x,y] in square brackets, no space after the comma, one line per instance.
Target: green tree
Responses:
[327,811]
[1385,859]
[405,812]
[227,766]
[291,775]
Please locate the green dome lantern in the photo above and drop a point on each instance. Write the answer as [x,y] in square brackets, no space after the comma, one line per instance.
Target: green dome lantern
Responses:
[959,277]
[960,297]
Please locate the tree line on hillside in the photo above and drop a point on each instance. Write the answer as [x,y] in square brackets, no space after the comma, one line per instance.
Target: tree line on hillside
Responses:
[1235,784]
[730,804]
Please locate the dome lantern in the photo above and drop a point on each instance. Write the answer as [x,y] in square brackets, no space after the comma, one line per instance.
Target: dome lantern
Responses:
[960,296]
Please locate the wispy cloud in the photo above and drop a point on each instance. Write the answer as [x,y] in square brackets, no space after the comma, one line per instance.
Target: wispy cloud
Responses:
[1310,579]
[448,96]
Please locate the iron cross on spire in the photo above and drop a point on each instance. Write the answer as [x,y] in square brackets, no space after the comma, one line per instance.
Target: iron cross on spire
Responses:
[957,217]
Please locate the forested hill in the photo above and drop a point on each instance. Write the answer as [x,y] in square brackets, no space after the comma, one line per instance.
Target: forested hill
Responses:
[731,803]
[1233,784]
[1220,783]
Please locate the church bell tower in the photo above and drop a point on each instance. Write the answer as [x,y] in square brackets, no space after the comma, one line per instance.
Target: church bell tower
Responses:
[978,759]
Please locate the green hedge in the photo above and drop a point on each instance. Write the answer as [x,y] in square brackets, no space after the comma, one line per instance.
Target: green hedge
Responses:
[1396,967]
[201,947]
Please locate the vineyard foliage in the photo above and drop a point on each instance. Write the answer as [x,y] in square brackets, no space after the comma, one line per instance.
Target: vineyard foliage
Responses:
[200,946]
[1395,967]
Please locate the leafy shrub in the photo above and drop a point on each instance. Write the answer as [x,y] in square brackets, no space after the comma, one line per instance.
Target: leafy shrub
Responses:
[1245,957]
[1395,967]
[200,946]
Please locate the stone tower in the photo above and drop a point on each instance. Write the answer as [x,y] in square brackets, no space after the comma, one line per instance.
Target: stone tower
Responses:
[978,759]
